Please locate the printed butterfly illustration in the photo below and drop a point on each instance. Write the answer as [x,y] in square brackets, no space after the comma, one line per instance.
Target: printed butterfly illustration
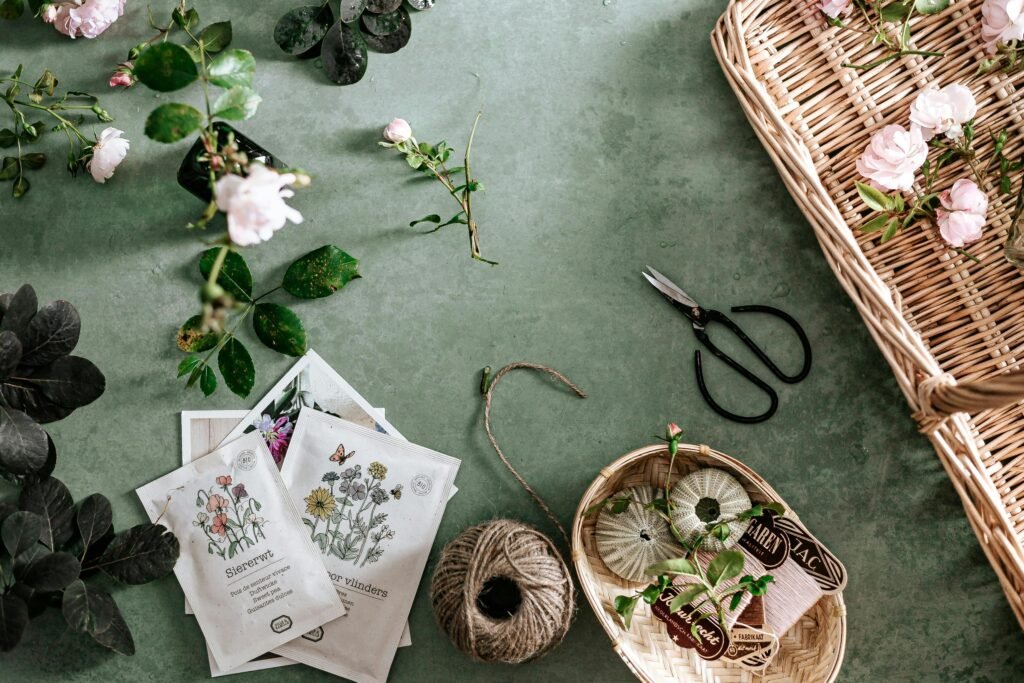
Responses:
[396,492]
[340,456]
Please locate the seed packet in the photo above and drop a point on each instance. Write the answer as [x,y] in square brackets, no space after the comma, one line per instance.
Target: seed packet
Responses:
[371,504]
[247,565]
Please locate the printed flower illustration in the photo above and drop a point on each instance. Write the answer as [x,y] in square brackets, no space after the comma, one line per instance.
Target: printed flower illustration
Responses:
[224,480]
[379,496]
[239,492]
[351,472]
[355,489]
[331,477]
[220,525]
[277,433]
[320,503]
[377,470]
[216,503]
[201,519]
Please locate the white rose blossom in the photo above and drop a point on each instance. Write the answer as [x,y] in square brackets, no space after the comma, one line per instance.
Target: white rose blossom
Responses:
[945,110]
[108,152]
[833,9]
[893,157]
[398,131]
[1001,22]
[962,215]
[83,18]
[255,204]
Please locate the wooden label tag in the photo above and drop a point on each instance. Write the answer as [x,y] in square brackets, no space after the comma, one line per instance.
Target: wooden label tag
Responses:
[751,644]
[773,540]
[714,641]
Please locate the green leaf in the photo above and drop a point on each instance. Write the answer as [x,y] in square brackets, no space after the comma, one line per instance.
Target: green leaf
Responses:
[625,605]
[192,339]
[69,382]
[165,67]
[85,609]
[777,508]
[432,218]
[721,532]
[8,138]
[344,54]
[874,198]
[651,593]
[303,28]
[34,161]
[382,24]
[685,596]
[596,507]
[891,229]
[236,366]
[235,276]
[186,20]
[620,505]
[726,565]
[9,168]
[52,334]
[231,68]
[52,502]
[736,599]
[216,37]
[930,6]
[117,636]
[20,188]
[20,531]
[51,572]
[188,364]
[320,273]
[207,381]
[13,620]
[144,553]
[94,519]
[172,122]
[352,10]
[23,443]
[394,40]
[876,223]
[11,9]
[280,329]
[237,104]
[679,565]
[895,12]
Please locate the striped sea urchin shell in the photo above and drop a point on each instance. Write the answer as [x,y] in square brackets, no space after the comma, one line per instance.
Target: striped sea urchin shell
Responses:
[634,539]
[719,490]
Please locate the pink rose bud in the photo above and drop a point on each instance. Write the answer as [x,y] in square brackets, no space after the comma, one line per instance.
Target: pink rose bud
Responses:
[673,430]
[121,79]
[398,131]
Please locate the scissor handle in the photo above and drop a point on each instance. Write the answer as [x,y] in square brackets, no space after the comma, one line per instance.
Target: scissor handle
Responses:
[804,343]
[751,377]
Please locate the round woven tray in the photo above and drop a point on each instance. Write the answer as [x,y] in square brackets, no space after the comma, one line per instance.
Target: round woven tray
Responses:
[811,652]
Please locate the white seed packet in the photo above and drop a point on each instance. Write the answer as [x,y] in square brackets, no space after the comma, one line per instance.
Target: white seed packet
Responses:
[247,565]
[371,504]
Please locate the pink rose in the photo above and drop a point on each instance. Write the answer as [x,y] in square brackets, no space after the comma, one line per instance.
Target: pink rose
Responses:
[1001,22]
[673,430]
[83,18]
[833,9]
[398,131]
[936,111]
[962,215]
[121,79]
[892,157]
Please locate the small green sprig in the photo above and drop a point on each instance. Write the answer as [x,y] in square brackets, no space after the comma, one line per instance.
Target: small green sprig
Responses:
[889,24]
[1008,58]
[432,161]
[60,112]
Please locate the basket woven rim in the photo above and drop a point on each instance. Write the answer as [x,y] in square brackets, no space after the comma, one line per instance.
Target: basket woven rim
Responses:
[582,563]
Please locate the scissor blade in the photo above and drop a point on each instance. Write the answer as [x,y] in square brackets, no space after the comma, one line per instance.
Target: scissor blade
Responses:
[669,288]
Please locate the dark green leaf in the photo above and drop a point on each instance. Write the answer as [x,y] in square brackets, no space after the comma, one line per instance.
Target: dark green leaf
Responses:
[895,12]
[52,333]
[117,636]
[651,593]
[383,6]
[280,329]
[20,531]
[382,24]
[620,506]
[19,312]
[139,555]
[231,68]
[69,382]
[236,366]
[235,276]
[351,10]
[237,104]
[679,565]
[395,40]
[52,572]
[192,339]
[726,565]
[432,218]
[172,122]
[186,20]
[931,6]
[13,620]
[685,597]
[33,162]
[165,67]
[9,168]
[344,54]
[8,138]
[85,609]
[625,606]
[51,500]
[207,381]
[421,4]
[320,273]
[216,37]
[94,519]
[303,28]
[23,443]
[596,507]
[736,599]
[11,9]
[188,364]
[10,353]
[721,532]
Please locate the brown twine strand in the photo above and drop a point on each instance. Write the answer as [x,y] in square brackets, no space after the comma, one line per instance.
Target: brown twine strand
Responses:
[508,549]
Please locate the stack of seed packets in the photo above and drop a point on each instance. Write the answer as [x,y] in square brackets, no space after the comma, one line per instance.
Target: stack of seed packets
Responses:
[349,510]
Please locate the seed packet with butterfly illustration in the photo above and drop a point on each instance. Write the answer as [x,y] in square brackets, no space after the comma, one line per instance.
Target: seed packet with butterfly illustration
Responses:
[371,504]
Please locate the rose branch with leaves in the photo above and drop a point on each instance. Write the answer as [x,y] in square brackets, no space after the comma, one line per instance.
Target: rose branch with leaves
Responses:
[432,160]
[57,112]
[888,24]
[704,587]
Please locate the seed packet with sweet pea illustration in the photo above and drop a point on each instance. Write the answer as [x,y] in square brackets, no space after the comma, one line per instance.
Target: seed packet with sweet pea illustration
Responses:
[247,565]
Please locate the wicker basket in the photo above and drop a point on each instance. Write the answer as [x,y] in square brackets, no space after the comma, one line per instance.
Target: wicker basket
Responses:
[811,651]
[950,328]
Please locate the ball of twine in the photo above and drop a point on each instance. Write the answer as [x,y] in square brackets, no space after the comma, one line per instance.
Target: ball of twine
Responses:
[503,549]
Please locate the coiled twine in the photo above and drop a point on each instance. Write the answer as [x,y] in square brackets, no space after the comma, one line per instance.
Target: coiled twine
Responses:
[505,553]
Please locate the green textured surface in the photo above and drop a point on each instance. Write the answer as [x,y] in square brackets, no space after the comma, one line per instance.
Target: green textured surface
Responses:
[610,140]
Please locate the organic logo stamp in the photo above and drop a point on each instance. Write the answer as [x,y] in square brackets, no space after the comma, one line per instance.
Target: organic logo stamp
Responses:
[281,624]
[421,484]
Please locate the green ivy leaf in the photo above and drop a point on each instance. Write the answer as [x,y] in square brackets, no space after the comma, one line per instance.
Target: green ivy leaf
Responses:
[303,28]
[625,605]
[20,188]
[235,276]
[186,20]
[280,329]
[726,565]
[207,381]
[85,609]
[9,168]
[172,122]
[34,161]
[237,104]
[216,37]
[231,68]
[685,597]
[320,273]
[165,67]
[192,339]
[236,366]
[651,593]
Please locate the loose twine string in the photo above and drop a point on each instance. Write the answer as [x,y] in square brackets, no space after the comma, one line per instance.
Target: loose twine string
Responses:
[508,549]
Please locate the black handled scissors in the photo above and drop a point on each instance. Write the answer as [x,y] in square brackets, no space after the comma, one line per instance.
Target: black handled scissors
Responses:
[699,319]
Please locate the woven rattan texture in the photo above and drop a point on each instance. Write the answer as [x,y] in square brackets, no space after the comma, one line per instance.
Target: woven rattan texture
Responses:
[949,327]
[811,652]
